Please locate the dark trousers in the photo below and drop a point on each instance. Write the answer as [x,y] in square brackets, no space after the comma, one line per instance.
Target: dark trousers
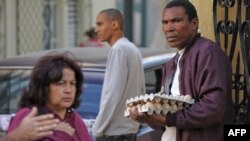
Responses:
[127,137]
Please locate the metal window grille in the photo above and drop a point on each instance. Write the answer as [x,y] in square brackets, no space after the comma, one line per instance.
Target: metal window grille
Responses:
[35,25]
[232,24]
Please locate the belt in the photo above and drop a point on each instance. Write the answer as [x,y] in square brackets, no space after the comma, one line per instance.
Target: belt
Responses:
[124,137]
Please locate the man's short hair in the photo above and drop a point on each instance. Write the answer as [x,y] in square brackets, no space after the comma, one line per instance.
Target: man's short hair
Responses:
[114,14]
[188,6]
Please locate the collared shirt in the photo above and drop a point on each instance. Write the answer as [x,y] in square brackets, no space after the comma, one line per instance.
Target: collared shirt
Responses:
[175,83]
[170,132]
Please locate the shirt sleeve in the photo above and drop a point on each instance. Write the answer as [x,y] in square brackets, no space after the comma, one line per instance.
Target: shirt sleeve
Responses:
[113,88]
[17,119]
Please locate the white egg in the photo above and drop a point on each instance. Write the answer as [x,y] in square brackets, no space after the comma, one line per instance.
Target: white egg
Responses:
[157,107]
[150,108]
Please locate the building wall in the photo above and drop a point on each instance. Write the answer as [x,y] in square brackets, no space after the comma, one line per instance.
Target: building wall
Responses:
[87,11]
[204,10]
[99,5]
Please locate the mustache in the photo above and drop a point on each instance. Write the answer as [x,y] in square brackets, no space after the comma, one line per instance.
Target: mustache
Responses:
[171,36]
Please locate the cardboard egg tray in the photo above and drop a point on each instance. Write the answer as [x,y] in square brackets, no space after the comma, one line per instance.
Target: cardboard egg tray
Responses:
[158,103]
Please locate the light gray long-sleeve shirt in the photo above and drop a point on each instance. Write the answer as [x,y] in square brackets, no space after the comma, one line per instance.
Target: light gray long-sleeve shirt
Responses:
[124,78]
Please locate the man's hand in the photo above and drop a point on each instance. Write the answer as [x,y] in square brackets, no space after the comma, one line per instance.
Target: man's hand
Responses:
[154,119]
[34,127]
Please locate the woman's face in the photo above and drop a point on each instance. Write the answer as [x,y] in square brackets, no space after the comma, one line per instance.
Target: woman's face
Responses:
[62,94]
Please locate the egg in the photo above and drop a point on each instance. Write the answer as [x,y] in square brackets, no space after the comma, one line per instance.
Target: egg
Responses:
[150,108]
[173,108]
[126,112]
[139,106]
[165,111]
[172,102]
[157,107]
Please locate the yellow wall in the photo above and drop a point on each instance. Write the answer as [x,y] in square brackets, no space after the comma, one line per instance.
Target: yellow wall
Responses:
[205,14]
[204,10]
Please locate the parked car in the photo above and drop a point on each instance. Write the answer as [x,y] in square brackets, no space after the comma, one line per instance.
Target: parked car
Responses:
[15,72]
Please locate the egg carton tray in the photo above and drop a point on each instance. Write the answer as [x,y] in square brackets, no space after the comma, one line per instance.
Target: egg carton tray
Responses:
[158,103]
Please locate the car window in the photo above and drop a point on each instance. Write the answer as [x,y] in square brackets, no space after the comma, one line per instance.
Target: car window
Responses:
[12,83]
[91,95]
[153,80]
[90,101]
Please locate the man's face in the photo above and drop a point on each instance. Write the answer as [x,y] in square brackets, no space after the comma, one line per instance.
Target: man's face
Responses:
[104,27]
[177,28]
[62,93]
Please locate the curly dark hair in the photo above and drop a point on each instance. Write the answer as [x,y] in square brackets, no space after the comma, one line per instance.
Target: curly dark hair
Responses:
[49,70]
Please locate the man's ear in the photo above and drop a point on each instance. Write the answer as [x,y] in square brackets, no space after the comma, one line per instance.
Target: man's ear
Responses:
[195,23]
[115,24]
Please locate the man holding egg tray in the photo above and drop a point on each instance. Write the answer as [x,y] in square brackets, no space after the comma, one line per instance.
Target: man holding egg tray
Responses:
[201,71]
